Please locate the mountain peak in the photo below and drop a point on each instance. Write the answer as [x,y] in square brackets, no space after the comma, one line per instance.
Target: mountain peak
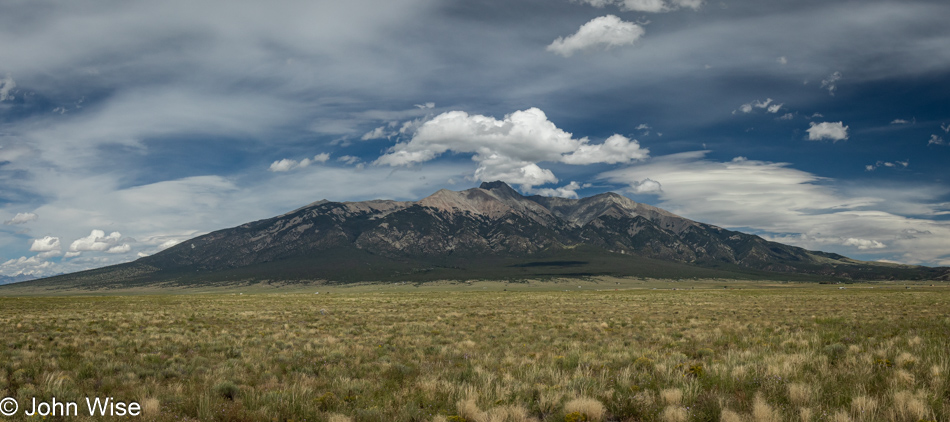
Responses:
[499,187]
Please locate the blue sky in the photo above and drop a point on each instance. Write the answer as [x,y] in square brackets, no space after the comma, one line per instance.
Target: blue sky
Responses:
[128,127]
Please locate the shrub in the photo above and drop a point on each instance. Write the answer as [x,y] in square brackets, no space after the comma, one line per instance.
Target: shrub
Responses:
[575,417]
[227,390]
[695,370]
[835,352]
[643,362]
[327,401]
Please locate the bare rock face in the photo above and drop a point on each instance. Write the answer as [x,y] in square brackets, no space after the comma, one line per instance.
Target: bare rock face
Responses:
[486,224]
[492,201]
[583,211]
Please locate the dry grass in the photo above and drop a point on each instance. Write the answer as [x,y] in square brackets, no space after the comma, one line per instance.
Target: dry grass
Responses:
[810,354]
[763,412]
[799,394]
[592,409]
[672,396]
[730,416]
[151,407]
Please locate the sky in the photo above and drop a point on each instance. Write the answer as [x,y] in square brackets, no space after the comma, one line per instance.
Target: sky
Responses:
[127,127]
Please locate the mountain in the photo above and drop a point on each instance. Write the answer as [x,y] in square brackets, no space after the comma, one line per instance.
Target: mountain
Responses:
[487,232]
[15,279]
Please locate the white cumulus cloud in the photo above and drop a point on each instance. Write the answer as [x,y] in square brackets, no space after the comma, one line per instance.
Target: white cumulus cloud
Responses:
[509,149]
[835,131]
[511,170]
[33,265]
[566,191]
[646,186]
[45,244]
[287,164]
[96,241]
[864,244]
[123,248]
[22,218]
[936,140]
[616,149]
[602,32]
[49,254]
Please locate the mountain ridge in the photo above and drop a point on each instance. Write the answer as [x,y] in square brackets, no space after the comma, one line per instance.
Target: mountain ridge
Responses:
[484,232]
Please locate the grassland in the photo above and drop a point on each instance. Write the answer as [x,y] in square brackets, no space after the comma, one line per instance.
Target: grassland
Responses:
[493,352]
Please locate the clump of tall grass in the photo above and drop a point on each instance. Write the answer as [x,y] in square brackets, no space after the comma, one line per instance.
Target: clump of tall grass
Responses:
[799,394]
[674,413]
[591,409]
[763,412]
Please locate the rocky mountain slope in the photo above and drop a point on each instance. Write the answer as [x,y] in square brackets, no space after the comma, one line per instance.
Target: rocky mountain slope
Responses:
[487,232]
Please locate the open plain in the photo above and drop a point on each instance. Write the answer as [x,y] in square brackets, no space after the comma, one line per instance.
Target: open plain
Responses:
[605,350]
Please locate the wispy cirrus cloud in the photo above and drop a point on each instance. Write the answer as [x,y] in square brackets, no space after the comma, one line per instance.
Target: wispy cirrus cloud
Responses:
[831,83]
[887,164]
[22,218]
[769,105]
[6,85]
[648,6]
[797,207]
